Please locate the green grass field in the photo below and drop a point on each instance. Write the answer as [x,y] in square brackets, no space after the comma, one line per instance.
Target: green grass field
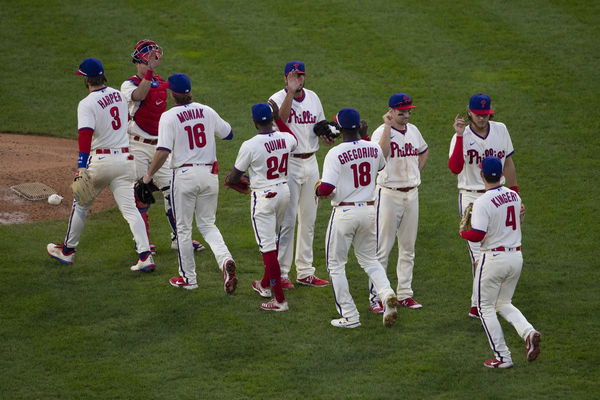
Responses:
[95,330]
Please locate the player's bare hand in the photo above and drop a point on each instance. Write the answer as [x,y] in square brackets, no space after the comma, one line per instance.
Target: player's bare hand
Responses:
[522,213]
[294,82]
[459,125]
[327,141]
[275,109]
[153,59]
[388,117]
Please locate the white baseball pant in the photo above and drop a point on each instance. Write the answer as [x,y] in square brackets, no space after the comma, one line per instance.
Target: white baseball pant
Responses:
[267,212]
[464,199]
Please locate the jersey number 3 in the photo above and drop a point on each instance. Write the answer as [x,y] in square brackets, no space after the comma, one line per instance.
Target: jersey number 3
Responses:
[275,167]
[362,174]
[196,135]
[116,122]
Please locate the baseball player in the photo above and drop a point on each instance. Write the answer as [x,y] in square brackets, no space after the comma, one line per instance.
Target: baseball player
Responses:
[397,202]
[349,174]
[146,94]
[187,132]
[104,152]
[470,144]
[299,110]
[266,158]
[496,225]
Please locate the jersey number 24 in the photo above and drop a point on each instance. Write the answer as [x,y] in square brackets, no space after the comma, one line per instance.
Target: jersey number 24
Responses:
[276,167]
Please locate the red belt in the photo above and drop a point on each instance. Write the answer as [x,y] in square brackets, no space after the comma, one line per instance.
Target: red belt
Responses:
[303,155]
[404,189]
[475,191]
[502,248]
[146,141]
[111,151]
[351,203]
[191,165]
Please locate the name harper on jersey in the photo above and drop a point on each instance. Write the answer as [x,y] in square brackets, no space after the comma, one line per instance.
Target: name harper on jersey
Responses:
[355,154]
[192,113]
[407,151]
[109,99]
[305,118]
[504,198]
[473,156]
[277,144]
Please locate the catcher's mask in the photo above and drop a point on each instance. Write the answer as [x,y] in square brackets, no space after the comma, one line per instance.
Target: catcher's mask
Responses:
[142,50]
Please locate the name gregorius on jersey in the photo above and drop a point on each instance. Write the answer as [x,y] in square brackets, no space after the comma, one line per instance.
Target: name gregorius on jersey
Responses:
[357,154]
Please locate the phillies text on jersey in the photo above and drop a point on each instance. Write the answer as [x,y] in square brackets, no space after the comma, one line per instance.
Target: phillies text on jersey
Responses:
[351,167]
[497,213]
[104,111]
[304,114]
[265,157]
[188,127]
[402,167]
[476,148]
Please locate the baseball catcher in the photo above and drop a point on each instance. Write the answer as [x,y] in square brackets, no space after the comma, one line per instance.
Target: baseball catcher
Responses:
[465,221]
[83,188]
[143,191]
[238,183]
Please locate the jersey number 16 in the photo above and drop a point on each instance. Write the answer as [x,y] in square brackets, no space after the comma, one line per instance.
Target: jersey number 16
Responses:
[196,135]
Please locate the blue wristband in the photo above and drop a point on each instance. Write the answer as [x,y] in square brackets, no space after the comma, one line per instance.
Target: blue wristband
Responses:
[82,160]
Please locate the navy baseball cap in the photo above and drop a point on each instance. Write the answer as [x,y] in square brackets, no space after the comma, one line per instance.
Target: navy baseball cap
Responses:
[294,66]
[400,101]
[491,166]
[261,112]
[180,83]
[481,104]
[91,67]
[348,118]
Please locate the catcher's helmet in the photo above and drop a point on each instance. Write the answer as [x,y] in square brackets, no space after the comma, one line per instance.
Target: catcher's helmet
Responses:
[142,50]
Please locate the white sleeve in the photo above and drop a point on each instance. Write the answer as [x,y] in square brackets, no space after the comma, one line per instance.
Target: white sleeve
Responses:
[165,133]
[377,135]
[277,98]
[422,146]
[222,127]
[381,159]
[479,217]
[509,146]
[452,142]
[127,89]
[85,116]
[244,158]
[292,141]
[331,167]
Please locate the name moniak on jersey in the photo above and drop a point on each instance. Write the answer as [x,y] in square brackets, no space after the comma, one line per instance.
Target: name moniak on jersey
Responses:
[109,99]
[355,154]
[277,144]
[192,113]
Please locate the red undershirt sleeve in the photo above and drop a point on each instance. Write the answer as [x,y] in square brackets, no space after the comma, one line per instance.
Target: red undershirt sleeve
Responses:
[472,235]
[456,161]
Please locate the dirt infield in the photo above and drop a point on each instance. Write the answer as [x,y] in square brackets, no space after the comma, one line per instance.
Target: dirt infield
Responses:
[51,161]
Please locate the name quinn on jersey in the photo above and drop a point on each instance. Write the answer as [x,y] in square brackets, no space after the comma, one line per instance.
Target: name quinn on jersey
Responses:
[277,144]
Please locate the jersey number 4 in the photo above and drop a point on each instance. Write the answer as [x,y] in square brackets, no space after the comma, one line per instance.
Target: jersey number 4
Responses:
[196,135]
[511,217]
[362,174]
[276,167]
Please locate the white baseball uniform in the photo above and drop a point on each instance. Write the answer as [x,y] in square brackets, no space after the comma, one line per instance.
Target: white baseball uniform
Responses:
[189,131]
[397,204]
[110,164]
[496,212]
[351,167]
[302,177]
[470,185]
[266,157]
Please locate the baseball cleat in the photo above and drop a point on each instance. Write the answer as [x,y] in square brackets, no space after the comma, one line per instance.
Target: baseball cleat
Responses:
[153,249]
[197,245]
[273,305]
[474,312]
[229,279]
[144,264]
[532,345]
[287,284]
[376,307]
[57,251]
[345,323]
[494,363]
[312,280]
[263,292]
[178,281]
[390,314]
[409,302]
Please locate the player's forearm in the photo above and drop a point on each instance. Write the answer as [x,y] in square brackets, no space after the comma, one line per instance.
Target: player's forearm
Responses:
[84,140]
[384,141]
[456,161]
[472,235]
[143,88]
[159,159]
[234,176]
[510,172]
[423,159]
[286,106]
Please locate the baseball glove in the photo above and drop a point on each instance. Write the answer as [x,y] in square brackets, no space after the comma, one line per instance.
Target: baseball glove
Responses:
[143,191]
[330,130]
[243,186]
[83,188]
[465,221]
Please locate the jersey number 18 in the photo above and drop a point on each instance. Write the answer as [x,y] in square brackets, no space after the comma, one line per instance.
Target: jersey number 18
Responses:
[362,174]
